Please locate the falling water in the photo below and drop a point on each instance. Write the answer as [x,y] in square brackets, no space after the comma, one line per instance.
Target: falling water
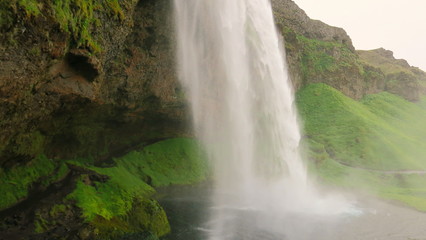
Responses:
[233,69]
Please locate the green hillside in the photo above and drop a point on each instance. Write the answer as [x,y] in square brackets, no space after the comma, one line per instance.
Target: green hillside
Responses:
[375,144]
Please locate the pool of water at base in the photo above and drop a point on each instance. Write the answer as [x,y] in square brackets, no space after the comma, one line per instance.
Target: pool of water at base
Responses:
[189,207]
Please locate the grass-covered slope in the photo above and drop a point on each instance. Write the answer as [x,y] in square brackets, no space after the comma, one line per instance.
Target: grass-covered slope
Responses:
[372,144]
[382,131]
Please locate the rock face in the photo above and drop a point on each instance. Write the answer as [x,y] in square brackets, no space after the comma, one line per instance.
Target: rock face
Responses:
[317,52]
[81,101]
[288,14]
[81,80]
[401,78]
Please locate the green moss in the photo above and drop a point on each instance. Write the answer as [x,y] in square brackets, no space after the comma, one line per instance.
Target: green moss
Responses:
[30,143]
[113,198]
[40,224]
[113,228]
[35,51]
[354,143]
[318,57]
[15,182]
[31,7]
[79,18]
[149,215]
[173,161]
[60,173]
[146,217]
[119,201]
[143,235]
[371,74]
[122,204]
[315,57]
[57,209]
[82,162]
[6,15]
[115,7]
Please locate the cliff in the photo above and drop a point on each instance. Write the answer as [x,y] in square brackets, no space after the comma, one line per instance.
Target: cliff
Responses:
[81,84]
[400,78]
[92,112]
[64,81]
[317,52]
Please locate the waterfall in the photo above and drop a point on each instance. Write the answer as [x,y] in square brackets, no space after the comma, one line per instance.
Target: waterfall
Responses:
[232,67]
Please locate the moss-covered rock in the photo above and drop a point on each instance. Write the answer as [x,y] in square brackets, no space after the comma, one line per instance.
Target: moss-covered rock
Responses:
[122,204]
[15,182]
[173,161]
[89,81]
[79,20]
[62,97]
[104,202]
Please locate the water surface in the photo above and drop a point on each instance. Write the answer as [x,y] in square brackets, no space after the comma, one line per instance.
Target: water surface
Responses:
[188,209]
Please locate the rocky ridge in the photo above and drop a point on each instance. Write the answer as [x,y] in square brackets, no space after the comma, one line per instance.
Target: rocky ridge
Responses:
[400,78]
[317,52]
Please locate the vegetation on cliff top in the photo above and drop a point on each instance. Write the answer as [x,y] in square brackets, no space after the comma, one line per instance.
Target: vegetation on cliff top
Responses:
[368,144]
[330,61]
[401,78]
[385,60]
[324,56]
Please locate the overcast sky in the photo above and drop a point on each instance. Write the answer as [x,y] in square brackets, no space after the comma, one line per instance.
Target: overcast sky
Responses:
[397,25]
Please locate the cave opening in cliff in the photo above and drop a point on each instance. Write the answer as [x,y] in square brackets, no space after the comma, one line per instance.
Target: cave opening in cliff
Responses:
[82,66]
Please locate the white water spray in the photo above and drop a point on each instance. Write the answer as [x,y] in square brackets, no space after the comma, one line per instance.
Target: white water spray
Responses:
[233,70]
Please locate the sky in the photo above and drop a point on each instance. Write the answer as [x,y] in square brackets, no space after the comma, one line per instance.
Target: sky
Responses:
[396,25]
